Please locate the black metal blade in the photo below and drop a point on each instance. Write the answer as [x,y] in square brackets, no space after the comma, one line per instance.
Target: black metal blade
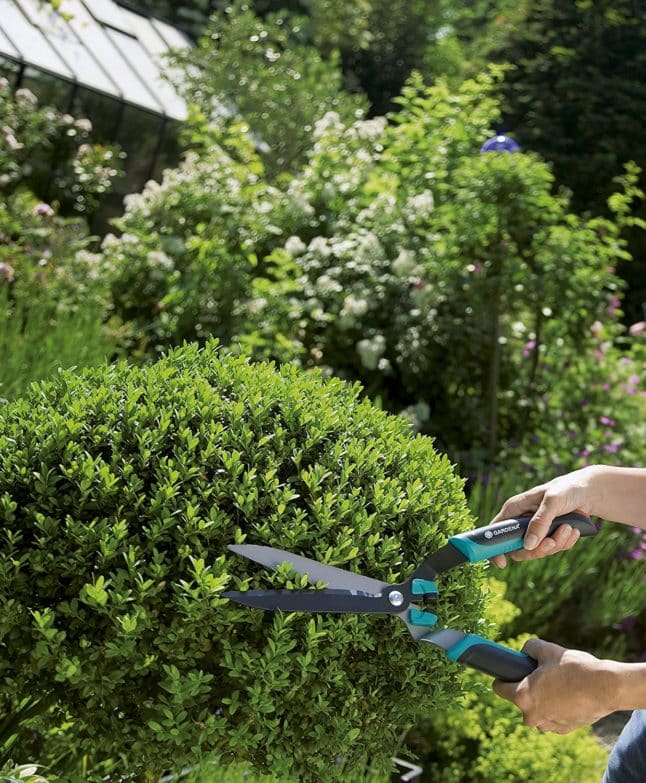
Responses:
[444,559]
[335,601]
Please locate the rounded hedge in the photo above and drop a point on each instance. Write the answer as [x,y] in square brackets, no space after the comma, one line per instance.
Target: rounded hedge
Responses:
[119,492]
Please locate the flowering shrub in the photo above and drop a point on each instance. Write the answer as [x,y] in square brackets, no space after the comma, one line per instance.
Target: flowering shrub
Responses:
[80,174]
[437,276]
[190,246]
[452,285]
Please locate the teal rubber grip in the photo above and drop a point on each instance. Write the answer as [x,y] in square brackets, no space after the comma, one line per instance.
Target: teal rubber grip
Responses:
[486,656]
[508,534]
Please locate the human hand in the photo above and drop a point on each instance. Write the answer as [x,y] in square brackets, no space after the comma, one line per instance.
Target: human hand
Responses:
[571,492]
[569,689]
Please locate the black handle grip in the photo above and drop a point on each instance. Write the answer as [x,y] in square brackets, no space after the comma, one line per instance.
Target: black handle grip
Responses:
[493,659]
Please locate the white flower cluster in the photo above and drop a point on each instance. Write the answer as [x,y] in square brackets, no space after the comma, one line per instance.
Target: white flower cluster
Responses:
[371,350]
[417,415]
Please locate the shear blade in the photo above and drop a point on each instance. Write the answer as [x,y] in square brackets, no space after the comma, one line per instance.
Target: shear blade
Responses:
[335,601]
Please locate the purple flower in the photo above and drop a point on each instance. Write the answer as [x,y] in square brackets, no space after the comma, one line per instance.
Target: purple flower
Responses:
[634,379]
[43,210]
[607,421]
[611,448]
[606,387]
[627,624]
[584,453]
[530,345]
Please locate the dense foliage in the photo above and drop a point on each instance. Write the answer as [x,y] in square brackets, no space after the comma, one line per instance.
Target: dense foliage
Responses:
[260,70]
[119,492]
[48,152]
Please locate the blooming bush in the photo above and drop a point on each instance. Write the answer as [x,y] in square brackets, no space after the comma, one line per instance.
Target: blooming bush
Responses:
[79,173]
[452,285]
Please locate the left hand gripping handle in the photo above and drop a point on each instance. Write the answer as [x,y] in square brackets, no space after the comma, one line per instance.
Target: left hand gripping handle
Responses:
[491,658]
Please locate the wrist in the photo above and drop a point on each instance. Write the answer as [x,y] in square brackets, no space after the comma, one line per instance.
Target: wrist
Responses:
[625,684]
[596,479]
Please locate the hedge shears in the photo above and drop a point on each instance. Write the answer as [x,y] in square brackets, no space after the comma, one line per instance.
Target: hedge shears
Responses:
[349,592]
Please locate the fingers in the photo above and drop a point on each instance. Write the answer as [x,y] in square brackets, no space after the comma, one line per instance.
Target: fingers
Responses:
[524,503]
[539,524]
[506,690]
[564,538]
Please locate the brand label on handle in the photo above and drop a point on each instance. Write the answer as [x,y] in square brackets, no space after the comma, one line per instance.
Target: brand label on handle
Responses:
[502,531]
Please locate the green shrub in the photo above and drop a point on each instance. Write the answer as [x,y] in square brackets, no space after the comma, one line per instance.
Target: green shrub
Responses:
[261,70]
[119,491]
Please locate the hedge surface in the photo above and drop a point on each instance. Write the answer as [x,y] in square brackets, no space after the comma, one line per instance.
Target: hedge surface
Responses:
[119,492]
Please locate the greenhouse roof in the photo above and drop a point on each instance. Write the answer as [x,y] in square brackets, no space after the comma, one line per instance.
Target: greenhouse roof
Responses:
[98,44]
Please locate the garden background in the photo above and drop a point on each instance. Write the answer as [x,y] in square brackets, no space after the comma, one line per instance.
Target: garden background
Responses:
[446,328]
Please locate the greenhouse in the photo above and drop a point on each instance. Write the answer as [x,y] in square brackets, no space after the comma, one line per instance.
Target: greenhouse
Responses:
[101,60]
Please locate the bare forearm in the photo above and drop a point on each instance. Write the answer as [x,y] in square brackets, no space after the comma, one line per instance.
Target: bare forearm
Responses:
[619,494]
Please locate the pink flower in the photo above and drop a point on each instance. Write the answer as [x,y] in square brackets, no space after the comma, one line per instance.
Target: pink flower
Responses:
[613,305]
[607,421]
[606,387]
[637,328]
[43,210]
[530,345]
[611,448]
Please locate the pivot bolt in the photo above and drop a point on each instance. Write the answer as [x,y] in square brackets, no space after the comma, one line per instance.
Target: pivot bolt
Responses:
[396,598]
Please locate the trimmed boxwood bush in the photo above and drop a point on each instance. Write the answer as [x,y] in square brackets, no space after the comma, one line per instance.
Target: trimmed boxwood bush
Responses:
[119,492]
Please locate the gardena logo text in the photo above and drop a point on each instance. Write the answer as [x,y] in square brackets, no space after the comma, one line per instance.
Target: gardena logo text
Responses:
[508,529]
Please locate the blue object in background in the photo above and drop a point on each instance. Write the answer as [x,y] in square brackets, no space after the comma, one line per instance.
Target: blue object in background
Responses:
[500,143]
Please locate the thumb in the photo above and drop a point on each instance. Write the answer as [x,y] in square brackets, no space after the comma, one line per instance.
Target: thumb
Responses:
[541,521]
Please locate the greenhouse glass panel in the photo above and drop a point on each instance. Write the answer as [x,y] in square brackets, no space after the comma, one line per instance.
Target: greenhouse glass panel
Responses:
[29,40]
[6,47]
[109,13]
[103,111]
[130,87]
[138,137]
[141,63]
[158,50]
[174,38]
[49,89]
[70,48]
[169,151]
